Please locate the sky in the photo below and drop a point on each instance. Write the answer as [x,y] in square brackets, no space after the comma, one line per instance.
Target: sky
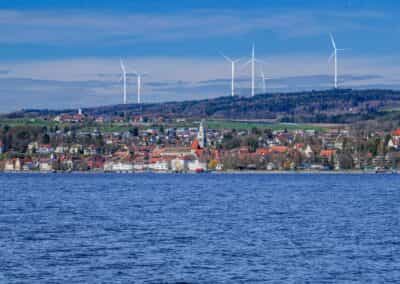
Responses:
[65,53]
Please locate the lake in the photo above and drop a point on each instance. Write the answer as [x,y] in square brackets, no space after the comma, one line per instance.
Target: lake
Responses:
[207,228]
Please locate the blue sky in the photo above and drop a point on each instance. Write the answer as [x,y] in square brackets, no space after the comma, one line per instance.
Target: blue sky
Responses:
[60,54]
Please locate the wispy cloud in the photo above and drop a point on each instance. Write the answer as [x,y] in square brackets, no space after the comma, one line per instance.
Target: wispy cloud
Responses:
[72,27]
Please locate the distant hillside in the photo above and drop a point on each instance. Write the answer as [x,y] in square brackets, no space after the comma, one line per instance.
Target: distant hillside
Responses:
[332,106]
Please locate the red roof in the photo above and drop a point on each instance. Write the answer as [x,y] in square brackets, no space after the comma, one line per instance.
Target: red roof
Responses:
[262,151]
[195,145]
[279,149]
[396,132]
[327,153]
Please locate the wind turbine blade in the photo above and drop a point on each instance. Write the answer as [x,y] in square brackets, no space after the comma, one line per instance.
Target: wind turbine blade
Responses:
[247,63]
[333,41]
[122,65]
[330,57]
[226,57]
[260,61]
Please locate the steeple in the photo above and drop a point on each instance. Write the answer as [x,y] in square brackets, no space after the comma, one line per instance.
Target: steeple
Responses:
[201,135]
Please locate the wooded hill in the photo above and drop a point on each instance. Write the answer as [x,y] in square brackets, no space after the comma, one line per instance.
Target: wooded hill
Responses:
[330,106]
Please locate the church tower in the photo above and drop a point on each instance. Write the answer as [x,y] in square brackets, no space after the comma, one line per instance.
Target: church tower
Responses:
[201,135]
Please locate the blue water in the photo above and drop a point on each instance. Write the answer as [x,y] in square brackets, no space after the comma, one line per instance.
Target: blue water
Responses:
[199,228]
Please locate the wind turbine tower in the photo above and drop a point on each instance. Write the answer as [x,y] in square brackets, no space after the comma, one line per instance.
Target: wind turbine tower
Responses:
[253,71]
[233,64]
[334,55]
[123,78]
[264,79]
[139,87]
[139,77]
[252,61]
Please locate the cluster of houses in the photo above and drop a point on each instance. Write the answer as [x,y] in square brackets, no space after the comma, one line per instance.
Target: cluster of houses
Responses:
[199,149]
[122,157]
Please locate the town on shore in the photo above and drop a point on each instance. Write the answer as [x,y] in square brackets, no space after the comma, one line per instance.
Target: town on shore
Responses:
[115,143]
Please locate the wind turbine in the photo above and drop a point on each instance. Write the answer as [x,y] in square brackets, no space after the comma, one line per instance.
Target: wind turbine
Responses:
[334,55]
[123,78]
[264,80]
[233,63]
[253,70]
[139,85]
[253,61]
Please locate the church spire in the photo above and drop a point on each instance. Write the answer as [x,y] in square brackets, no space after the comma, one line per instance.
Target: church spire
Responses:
[201,135]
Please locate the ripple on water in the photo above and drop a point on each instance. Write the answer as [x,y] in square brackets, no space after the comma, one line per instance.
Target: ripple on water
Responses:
[199,228]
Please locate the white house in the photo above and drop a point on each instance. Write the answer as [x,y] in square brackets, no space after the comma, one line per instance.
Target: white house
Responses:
[46,166]
[9,166]
[61,149]
[196,166]
[160,166]
[89,151]
[391,144]
[75,149]
[308,151]
[139,167]
[118,167]
[32,147]
[13,165]
[179,165]
[45,149]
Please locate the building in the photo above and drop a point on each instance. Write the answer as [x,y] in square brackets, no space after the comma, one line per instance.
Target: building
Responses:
[46,166]
[118,167]
[179,164]
[45,149]
[32,147]
[61,149]
[13,165]
[160,166]
[196,166]
[201,136]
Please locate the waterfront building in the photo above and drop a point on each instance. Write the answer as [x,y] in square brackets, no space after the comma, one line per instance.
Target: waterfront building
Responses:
[46,166]
[196,166]
[160,166]
[9,166]
[180,164]
[13,165]
[118,167]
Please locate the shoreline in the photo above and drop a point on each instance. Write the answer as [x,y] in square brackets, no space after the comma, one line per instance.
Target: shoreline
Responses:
[230,172]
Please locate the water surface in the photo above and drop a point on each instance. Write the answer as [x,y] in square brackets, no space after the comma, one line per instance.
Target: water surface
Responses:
[153,228]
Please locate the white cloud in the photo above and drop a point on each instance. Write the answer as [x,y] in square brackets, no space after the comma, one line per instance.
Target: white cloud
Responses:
[72,27]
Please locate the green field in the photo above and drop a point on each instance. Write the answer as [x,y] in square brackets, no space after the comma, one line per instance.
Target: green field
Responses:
[121,127]
[28,122]
[109,127]
[239,125]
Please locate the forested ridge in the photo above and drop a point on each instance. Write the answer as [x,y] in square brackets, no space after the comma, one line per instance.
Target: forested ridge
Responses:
[330,106]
